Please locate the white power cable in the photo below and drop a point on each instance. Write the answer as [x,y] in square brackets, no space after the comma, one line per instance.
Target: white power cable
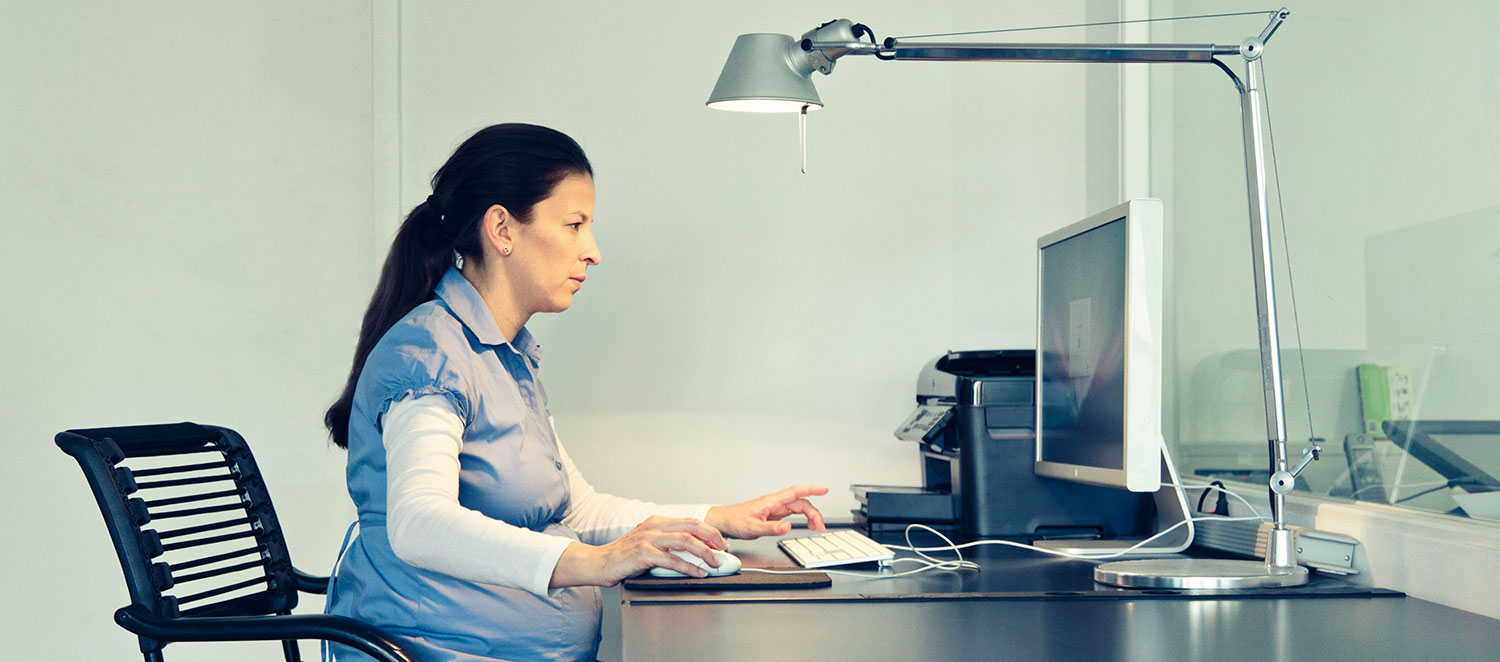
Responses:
[930,563]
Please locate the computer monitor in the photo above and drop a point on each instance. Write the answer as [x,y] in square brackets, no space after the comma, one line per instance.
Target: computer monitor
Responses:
[1098,381]
[1463,452]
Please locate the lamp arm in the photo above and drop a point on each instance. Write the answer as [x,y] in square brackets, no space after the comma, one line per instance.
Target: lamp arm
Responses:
[1276,20]
[1057,52]
[833,50]
[1281,546]
[834,40]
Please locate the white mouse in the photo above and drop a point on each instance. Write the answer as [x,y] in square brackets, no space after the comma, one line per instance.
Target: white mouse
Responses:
[728,565]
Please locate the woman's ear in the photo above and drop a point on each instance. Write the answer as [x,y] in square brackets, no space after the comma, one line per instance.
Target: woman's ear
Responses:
[497,229]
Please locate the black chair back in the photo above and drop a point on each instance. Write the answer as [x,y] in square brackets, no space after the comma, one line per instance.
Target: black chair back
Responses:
[198,539]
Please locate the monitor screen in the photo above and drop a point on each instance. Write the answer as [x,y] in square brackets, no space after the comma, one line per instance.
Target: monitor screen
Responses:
[1098,349]
[1464,452]
[1083,392]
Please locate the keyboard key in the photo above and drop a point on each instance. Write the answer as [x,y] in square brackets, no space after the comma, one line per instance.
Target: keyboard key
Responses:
[838,548]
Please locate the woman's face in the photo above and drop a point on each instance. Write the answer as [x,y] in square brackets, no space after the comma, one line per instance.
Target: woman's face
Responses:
[551,253]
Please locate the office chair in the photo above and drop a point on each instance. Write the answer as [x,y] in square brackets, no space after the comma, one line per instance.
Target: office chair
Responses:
[190,515]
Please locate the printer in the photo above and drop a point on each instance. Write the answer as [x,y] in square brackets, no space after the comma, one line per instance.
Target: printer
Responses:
[974,428]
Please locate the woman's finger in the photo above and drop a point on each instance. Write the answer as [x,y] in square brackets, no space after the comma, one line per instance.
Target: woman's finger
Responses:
[691,544]
[814,517]
[800,491]
[702,531]
[672,561]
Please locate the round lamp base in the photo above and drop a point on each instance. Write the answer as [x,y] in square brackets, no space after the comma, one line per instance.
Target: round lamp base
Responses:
[1197,574]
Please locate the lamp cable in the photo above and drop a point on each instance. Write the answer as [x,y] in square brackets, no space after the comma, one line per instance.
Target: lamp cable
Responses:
[1286,248]
[1087,25]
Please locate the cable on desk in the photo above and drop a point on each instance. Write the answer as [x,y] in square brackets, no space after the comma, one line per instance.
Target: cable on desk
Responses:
[1102,556]
[1221,504]
[1218,486]
[931,563]
[1086,557]
[928,562]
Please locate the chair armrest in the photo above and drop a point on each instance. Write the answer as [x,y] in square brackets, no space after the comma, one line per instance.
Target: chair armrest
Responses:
[363,636]
[310,583]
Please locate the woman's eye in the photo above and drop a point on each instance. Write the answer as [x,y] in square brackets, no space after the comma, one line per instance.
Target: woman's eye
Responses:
[575,226]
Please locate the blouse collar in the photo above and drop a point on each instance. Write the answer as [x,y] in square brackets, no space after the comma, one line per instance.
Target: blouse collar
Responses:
[470,309]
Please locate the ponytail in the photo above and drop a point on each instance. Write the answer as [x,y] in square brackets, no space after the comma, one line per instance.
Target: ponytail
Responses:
[512,165]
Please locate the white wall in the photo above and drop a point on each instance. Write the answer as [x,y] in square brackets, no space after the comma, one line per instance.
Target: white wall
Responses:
[197,197]
[187,198]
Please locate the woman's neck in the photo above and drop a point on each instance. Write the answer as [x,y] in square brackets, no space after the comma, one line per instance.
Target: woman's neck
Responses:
[493,288]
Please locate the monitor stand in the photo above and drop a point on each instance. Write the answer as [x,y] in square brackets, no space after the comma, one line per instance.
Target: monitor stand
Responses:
[1171,508]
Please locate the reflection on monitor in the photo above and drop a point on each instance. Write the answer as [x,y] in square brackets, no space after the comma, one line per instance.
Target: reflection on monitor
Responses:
[1099,291]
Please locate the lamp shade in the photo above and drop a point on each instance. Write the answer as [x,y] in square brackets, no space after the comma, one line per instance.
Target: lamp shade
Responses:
[761,76]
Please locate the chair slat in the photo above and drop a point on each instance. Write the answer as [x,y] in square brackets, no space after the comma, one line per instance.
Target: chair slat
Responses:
[198,542]
[209,560]
[216,572]
[195,480]
[189,512]
[212,526]
[223,589]
[162,471]
[152,503]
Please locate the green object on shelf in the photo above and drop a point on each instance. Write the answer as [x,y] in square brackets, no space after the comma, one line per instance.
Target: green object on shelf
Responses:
[1374,397]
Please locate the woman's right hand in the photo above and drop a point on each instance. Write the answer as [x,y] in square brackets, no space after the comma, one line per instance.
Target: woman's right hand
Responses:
[649,545]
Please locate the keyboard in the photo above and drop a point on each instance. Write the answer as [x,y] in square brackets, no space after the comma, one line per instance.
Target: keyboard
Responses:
[840,548]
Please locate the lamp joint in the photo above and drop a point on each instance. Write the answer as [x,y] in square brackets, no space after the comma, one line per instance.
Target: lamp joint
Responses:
[1252,48]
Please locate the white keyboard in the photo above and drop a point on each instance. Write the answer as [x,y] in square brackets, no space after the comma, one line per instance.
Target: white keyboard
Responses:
[841,548]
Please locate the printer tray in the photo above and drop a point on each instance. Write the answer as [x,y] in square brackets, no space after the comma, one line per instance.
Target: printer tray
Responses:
[894,532]
[905,504]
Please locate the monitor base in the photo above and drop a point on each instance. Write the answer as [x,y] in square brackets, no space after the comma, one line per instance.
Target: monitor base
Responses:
[1171,512]
[1197,574]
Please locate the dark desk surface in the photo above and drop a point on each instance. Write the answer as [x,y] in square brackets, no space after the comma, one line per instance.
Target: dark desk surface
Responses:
[1011,608]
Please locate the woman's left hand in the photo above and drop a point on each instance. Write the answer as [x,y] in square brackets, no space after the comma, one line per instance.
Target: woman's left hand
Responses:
[762,516]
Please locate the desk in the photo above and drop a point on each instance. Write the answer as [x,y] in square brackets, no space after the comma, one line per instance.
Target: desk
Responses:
[1004,611]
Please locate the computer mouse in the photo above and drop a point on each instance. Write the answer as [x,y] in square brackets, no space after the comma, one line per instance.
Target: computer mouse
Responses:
[728,564]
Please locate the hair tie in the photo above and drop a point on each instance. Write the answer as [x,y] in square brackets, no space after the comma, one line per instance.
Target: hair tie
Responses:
[432,203]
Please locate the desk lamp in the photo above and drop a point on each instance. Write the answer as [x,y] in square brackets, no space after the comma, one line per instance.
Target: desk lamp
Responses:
[773,73]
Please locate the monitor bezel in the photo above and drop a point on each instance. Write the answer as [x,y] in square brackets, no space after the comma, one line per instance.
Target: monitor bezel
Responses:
[1142,456]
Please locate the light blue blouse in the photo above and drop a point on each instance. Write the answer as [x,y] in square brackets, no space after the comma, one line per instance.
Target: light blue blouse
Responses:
[510,469]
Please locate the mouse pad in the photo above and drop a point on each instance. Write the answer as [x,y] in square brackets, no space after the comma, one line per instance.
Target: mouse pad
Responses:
[744,580]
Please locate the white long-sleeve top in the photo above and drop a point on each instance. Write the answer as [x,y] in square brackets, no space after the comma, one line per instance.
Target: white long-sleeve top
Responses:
[428,528]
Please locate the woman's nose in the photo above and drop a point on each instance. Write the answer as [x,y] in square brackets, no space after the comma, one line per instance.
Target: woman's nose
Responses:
[591,252]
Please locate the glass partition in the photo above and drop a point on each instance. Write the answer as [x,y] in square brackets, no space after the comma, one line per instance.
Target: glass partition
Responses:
[1386,126]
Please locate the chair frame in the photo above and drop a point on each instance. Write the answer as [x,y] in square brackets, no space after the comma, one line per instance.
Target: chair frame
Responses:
[156,618]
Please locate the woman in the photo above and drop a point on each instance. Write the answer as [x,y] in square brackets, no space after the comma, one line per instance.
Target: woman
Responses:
[477,537]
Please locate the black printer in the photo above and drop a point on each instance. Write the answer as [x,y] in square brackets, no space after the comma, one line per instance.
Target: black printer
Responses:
[974,426]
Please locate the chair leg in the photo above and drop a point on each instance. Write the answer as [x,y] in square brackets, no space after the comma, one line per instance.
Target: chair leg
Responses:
[153,656]
[290,649]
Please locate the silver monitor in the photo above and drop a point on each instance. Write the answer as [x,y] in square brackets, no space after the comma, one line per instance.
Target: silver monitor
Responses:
[1099,294]
[1099,298]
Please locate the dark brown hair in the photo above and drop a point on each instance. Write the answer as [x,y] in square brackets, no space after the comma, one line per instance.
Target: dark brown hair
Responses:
[511,165]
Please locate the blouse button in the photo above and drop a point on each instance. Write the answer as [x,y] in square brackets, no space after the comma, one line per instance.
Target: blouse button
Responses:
[559,465]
